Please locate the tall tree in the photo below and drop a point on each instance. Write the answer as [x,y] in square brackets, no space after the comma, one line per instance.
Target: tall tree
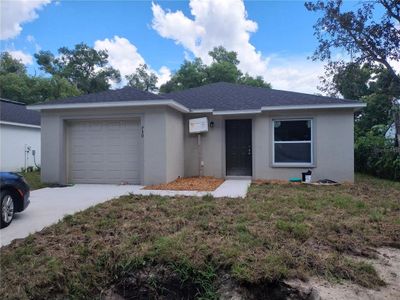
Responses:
[258,81]
[143,79]
[8,65]
[367,83]
[351,80]
[367,38]
[224,67]
[16,84]
[82,66]
[360,33]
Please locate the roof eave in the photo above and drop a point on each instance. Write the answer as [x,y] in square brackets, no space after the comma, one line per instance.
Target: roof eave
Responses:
[354,106]
[19,124]
[142,103]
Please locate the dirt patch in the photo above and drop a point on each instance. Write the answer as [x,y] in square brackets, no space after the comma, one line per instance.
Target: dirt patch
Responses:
[154,282]
[163,282]
[387,266]
[205,183]
[230,289]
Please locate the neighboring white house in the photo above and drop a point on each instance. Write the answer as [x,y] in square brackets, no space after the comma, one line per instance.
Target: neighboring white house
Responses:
[19,136]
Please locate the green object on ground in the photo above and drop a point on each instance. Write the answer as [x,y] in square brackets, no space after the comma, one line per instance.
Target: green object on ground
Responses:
[295,179]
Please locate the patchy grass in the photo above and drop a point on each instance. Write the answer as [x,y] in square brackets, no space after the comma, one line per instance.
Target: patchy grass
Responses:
[279,231]
[33,179]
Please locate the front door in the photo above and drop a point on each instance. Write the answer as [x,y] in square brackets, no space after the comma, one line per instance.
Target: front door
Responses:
[238,147]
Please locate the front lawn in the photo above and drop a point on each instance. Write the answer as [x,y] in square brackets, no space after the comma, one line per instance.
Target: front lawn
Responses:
[279,231]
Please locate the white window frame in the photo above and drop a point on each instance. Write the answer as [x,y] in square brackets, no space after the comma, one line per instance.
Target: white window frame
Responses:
[311,142]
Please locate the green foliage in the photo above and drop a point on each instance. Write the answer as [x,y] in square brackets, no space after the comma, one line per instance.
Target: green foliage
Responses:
[378,112]
[82,66]
[143,79]
[376,155]
[16,84]
[10,65]
[351,80]
[368,32]
[258,81]
[224,67]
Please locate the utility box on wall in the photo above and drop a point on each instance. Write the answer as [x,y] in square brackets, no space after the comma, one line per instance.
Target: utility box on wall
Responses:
[198,125]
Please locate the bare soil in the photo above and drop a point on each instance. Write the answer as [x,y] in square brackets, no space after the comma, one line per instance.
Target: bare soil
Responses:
[204,183]
[387,265]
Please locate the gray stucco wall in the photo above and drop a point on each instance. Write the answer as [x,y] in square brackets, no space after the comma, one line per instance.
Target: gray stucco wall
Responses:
[169,151]
[333,146]
[212,148]
[174,144]
[155,154]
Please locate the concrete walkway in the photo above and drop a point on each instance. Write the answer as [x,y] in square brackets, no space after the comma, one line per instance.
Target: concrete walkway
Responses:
[49,205]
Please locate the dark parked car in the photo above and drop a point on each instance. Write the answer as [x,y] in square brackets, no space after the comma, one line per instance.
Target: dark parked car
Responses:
[14,196]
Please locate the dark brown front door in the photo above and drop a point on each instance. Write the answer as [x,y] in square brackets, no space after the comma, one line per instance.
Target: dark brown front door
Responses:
[238,147]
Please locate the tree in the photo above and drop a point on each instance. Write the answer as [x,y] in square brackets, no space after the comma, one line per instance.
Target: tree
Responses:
[347,79]
[359,33]
[16,84]
[143,79]
[10,65]
[220,55]
[254,81]
[224,67]
[190,74]
[367,83]
[82,66]
[367,39]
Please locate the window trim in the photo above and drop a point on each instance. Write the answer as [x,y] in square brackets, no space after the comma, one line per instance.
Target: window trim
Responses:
[311,142]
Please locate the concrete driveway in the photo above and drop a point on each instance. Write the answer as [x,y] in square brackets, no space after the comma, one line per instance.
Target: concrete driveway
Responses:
[49,205]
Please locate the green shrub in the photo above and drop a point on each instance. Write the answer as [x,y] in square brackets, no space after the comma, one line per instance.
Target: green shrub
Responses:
[376,155]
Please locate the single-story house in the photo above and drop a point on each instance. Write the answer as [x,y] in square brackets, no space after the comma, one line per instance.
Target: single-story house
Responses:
[19,136]
[136,137]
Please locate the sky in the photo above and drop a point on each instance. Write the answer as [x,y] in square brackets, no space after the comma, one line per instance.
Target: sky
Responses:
[272,38]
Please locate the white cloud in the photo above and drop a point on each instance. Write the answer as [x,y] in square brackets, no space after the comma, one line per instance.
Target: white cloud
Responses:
[294,73]
[164,74]
[25,58]
[124,56]
[215,23]
[30,38]
[16,12]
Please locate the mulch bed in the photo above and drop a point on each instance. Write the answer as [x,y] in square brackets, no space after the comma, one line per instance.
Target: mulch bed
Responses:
[205,183]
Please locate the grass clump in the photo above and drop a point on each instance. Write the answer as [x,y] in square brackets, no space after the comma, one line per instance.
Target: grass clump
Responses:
[33,179]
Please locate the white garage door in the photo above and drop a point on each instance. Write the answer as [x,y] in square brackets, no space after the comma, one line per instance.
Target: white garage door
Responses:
[104,151]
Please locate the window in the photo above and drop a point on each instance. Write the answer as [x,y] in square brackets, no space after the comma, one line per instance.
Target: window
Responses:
[292,142]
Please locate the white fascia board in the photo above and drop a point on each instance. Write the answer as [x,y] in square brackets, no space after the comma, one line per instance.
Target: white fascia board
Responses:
[237,112]
[315,106]
[168,102]
[19,124]
[201,111]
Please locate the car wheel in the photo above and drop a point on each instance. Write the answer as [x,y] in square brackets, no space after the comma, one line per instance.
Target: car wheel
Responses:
[7,209]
